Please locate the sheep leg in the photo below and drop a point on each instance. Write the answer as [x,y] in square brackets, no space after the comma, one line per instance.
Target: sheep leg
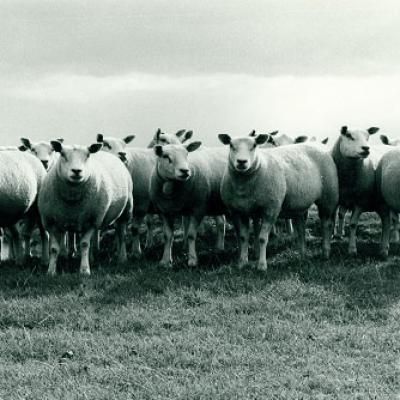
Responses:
[136,222]
[85,251]
[6,245]
[55,240]
[149,221]
[120,230]
[289,227]
[266,226]
[244,241]
[395,226]
[185,223]
[353,230]
[16,244]
[44,236]
[194,223]
[256,228]
[64,245]
[339,228]
[220,224]
[168,227]
[326,229]
[385,236]
[300,226]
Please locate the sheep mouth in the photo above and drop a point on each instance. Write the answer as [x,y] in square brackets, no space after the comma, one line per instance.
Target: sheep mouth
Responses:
[364,154]
[183,177]
[76,178]
[241,168]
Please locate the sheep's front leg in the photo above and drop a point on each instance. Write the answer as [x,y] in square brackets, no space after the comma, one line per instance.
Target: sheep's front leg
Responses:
[168,225]
[194,223]
[395,226]
[55,241]
[353,230]
[121,237]
[220,223]
[17,244]
[339,229]
[27,229]
[256,229]
[85,251]
[244,241]
[185,225]
[266,226]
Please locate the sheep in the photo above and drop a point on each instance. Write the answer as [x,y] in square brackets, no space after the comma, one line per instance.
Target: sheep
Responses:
[266,183]
[162,138]
[186,182]
[21,179]
[42,150]
[356,164]
[85,191]
[140,163]
[388,196]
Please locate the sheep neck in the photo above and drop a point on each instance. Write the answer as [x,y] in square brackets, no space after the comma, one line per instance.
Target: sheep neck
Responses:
[72,193]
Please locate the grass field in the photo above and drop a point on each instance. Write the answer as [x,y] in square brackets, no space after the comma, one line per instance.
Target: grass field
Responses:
[306,329]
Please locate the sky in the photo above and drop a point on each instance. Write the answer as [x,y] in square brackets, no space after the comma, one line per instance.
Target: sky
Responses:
[76,68]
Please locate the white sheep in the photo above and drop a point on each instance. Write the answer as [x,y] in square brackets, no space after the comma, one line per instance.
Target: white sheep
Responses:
[266,183]
[21,178]
[356,163]
[85,191]
[185,182]
[42,150]
[140,163]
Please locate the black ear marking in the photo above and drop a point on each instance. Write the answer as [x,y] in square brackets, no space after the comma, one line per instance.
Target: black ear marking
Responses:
[100,138]
[158,150]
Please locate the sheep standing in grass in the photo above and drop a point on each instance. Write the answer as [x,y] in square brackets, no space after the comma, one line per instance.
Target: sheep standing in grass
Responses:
[85,191]
[186,183]
[283,181]
[140,163]
[21,178]
[356,163]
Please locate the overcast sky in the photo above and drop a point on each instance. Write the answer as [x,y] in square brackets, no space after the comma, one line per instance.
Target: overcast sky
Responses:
[76,68]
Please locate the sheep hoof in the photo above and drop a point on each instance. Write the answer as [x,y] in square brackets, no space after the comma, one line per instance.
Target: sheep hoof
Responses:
[136,255]
[262,266]
[242,263]
[353,252]
[338,236]
[166,264]
[51,273]
[384,254]
[192,263]
[84,271]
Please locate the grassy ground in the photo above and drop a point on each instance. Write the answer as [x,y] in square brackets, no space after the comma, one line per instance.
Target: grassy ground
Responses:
[306,329]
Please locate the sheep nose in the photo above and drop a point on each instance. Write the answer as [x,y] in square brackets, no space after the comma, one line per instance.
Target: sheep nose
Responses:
[77,171]
[45,163]
[241,163]
[365,148]
[184,171]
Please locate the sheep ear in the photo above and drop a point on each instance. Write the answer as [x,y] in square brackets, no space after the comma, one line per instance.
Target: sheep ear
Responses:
[325,141]
[22,148]
[261,138]
[343,130]
[193,146]
[224,138]
[252,133]
[56,145]
[129,139]
[372,130]
[157,135]
[26,142]
[61,140]
[301,139]
[188,135]
[100,138]
[384,139]
[271,140]
[95,147]
[158,150]
[180,132]
[273,133]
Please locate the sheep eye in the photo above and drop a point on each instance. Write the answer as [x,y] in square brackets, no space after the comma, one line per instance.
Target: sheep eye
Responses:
[348,135]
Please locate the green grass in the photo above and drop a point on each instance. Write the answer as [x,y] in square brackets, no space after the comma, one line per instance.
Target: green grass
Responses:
[306,329]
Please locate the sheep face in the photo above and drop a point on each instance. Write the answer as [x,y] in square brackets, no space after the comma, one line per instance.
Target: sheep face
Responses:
[42,150]
[162,138]
[114,145]
[173,162]
[243,150]
[74,161]
[354,143]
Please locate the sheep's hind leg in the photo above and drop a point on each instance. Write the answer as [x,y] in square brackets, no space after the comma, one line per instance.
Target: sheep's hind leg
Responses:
[136,222]
[244,241]
[385,237]
[220,224]
[55,240]
[300,226]
[149,221]
[120,230]
[168,227]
